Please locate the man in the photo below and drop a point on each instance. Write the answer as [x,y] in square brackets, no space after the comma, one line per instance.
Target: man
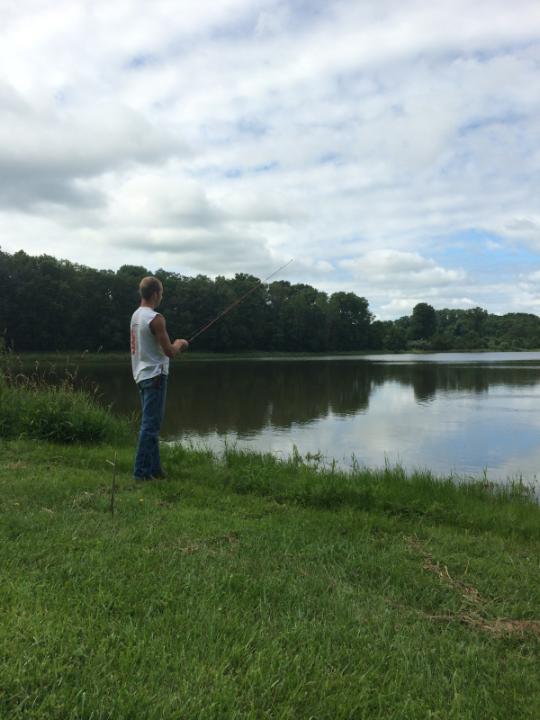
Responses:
[151,350]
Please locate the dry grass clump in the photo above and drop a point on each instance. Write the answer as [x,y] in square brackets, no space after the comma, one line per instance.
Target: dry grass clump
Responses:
[474,614]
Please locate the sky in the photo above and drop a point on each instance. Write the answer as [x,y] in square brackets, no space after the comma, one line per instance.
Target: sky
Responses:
[391,147]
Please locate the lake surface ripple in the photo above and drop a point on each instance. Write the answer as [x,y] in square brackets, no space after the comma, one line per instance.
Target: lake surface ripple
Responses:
[452,413]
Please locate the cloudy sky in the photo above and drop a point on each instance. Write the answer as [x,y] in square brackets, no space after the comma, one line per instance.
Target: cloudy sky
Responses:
[391,147]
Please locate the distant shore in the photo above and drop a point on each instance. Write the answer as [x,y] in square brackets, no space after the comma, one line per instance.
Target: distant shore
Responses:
[75,358]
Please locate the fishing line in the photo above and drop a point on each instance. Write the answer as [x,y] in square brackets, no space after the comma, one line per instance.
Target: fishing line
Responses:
[237,302]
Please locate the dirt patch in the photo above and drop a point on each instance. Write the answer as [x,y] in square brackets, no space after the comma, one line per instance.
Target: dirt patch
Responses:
[212,545]
[474,615]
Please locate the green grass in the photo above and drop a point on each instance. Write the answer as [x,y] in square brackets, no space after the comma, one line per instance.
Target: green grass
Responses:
[30,407]
[243,587]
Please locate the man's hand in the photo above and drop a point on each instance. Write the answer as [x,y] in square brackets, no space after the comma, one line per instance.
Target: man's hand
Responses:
[180,345]
[159,328]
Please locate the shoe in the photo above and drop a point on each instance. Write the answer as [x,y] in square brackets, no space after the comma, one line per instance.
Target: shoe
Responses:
[142,478]
[159,475]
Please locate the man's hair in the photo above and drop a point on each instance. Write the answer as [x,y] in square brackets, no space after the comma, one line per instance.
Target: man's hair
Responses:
[148,286]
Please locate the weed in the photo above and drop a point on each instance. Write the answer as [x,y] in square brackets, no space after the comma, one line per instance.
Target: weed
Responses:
[32,407]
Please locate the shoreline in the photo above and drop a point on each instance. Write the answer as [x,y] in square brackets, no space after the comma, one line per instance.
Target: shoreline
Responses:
[75,358]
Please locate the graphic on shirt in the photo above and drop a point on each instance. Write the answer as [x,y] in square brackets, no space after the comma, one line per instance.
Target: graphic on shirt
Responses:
[133,341]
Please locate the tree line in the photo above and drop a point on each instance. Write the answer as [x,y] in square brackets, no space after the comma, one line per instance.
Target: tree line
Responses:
[48,305]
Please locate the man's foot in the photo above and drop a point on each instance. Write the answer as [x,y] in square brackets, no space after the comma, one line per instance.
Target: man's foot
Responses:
[159,475]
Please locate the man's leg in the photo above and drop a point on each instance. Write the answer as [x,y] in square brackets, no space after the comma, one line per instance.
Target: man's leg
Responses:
[157,470]
[148,444]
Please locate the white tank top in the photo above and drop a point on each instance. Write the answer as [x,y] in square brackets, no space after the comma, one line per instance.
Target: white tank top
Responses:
[147,356]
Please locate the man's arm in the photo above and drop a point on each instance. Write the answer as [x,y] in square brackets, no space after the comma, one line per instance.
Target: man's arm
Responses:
[159,328]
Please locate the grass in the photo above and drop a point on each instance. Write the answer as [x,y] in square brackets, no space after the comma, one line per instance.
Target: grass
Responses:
[32,407]
[244,587]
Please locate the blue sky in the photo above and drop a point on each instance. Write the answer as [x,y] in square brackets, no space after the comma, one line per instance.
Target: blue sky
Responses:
[391,148]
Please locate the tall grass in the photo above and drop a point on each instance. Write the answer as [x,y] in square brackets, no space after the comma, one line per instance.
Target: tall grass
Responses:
[32,407]
[418,496]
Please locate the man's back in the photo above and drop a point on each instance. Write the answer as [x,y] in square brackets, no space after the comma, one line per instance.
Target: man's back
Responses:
[147,356]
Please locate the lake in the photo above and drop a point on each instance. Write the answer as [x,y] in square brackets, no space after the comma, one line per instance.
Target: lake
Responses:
[454,413]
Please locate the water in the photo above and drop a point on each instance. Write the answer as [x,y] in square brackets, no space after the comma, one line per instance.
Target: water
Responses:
[458,413]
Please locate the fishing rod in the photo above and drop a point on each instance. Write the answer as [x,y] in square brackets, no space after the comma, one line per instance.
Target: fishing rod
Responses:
[237,302]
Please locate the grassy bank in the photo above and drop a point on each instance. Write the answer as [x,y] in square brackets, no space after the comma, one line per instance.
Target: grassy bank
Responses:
[243,587]
[32,407]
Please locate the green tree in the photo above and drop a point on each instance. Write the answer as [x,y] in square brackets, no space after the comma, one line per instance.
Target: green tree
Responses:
[50,304]
[349,319]
[245,326]
[395,334]
[306,319]
[423,322]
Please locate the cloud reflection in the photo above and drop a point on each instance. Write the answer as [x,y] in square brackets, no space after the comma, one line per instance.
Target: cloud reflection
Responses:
[450,417]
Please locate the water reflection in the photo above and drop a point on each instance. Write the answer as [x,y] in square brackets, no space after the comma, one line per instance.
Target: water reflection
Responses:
[449,416]
[246,397]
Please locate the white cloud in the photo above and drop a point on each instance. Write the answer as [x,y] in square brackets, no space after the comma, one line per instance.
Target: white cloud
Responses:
[533,277]
[156,200]
[45,152]
[388,267]
[525,229]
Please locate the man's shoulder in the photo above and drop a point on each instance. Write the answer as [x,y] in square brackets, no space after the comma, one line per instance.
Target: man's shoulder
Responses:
[136,314]
[143,310]
[157,319]
[144,313]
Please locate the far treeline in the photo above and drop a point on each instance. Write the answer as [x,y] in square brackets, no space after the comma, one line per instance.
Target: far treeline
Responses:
[48,305]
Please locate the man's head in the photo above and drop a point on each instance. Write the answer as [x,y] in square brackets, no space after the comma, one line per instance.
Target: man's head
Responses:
[151,290]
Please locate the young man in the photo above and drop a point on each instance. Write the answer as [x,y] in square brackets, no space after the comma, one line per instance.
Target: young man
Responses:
[151,350]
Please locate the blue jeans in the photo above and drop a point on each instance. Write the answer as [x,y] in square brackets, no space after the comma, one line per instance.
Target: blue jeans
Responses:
[153,393]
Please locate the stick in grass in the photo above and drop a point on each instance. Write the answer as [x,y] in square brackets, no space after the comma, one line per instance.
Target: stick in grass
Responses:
[113,486]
